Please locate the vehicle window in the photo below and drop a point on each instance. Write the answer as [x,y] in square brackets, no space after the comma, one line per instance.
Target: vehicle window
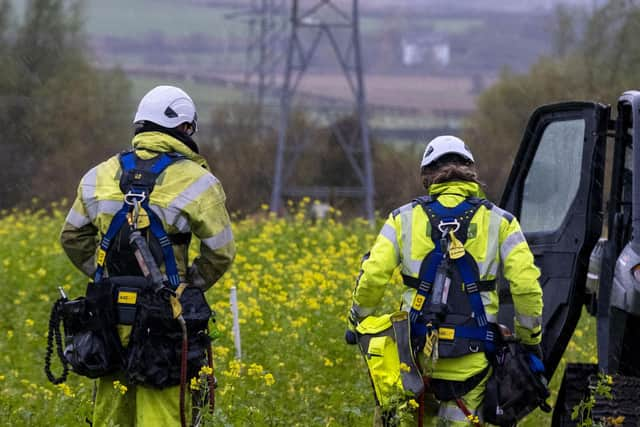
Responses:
[554,177]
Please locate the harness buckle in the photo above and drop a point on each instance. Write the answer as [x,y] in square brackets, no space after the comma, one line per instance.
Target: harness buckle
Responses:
[446,226]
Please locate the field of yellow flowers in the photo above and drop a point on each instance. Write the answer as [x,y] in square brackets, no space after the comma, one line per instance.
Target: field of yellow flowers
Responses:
[293,278]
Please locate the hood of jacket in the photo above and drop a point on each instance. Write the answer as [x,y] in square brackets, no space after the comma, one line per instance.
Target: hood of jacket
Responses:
[457,188]
[149,144]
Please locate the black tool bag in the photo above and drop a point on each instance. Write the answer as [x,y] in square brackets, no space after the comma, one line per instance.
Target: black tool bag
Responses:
[154,352]
[92,345]
[514,389]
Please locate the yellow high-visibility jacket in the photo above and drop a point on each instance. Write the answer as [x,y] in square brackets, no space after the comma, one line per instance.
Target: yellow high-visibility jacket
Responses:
[494,239]
[187,198]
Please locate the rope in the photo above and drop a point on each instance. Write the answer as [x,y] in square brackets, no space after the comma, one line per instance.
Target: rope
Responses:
[183,369]
[54,331]
[421,401]
[473,419]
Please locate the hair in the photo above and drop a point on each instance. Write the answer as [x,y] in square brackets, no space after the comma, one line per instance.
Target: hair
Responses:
[450,167]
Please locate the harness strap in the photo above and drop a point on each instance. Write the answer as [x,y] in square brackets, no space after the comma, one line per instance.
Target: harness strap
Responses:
[471,287]
[116,223]
[413,282]
[128,163]
[479,334]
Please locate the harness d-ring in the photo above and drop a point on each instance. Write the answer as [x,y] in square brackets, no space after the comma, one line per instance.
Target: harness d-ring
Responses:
[131,198]
[446,226]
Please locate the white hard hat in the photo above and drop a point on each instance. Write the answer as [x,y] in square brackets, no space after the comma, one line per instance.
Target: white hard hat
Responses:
[167,106]
[442,145]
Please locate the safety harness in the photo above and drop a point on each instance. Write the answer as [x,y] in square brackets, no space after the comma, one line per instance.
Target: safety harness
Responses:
[136,183]
[447,314]
[441,272]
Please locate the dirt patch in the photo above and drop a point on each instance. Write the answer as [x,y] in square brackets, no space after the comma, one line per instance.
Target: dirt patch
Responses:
[422,93]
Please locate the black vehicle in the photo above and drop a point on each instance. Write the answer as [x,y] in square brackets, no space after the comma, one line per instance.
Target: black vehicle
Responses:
[556,189]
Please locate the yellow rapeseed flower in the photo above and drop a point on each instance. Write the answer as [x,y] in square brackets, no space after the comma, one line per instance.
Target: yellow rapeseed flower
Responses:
[269,380]
[206,370]
[29,322]
[255,370]
[119,387]
[66,390]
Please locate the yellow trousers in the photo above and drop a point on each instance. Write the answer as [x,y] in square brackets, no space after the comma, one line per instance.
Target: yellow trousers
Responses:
[137,406]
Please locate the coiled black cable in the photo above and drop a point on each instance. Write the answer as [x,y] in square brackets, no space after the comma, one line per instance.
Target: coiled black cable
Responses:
[54,331]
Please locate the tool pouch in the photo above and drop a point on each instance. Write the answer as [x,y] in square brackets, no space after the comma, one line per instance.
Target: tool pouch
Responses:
[154,352]
[385,344]
[515,388]
[92,345]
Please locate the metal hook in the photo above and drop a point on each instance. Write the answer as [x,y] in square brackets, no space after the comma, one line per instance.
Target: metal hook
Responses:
[131,198]
[445,227]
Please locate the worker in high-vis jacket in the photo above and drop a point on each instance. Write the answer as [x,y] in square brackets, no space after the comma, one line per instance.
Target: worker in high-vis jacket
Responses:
[189,201]
[453,311]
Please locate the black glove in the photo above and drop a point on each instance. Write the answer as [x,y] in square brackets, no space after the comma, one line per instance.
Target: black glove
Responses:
[350,335]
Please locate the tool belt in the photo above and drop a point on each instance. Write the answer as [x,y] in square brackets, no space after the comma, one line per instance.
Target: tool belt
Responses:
[386,346]
[92,346]
[516,386]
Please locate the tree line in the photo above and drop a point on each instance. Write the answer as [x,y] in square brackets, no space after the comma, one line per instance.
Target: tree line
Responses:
[595,57]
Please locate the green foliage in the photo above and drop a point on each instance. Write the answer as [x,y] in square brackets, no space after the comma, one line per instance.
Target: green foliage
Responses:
[581,413]
[602,61]
[57,112]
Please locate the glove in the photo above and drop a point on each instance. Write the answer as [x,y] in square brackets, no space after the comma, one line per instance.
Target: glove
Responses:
[535,358]
[534,349]
[350,335]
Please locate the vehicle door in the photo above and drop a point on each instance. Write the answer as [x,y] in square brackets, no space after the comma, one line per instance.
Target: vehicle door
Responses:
[555,190]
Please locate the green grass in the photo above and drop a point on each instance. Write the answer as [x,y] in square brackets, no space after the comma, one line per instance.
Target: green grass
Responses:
[293,278]
[136,19]
[124,18]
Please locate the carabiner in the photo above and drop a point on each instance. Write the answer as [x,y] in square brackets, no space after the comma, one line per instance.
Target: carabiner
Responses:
[445,227]
[131,198]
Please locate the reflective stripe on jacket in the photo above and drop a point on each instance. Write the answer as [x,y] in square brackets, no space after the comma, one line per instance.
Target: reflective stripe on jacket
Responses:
[187,198]
[494,239]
